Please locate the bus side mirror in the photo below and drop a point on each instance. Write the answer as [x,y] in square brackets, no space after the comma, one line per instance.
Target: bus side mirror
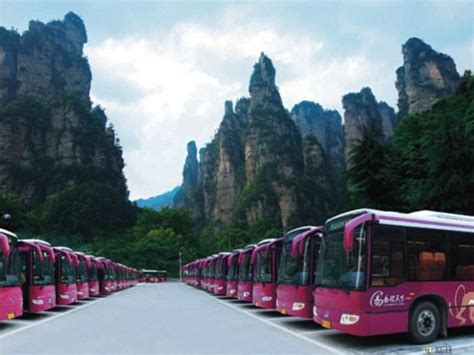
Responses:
[5,245]
[351,226]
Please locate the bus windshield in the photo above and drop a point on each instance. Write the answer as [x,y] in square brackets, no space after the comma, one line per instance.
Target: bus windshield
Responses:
[293,270]
[43,271]
[82,271]
[68,273]
[338,268]
[10,270]
[263,267]
[245,272]
[212,269]
[220,271]
[233,272]
[93,276]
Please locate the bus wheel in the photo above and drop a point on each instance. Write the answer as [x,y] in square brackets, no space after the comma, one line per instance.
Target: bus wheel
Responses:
[425,323]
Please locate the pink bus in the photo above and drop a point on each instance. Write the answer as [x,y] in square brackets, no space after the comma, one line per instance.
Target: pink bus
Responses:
[386,272]
[202,273]
[93,276]
[82,277]
[266,257]
[220,283]
[162,276]
[66,263]
[113,275]
[105,282]
[232,273]
[11,298]
[211,273]
[296,269]
[37,275]
[205,272]
[245,279]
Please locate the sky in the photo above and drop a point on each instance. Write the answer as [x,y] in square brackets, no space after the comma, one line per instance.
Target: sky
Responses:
[163,69]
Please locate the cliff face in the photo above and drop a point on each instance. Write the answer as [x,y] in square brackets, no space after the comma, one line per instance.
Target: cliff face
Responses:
[425,77]
[362,110]
[50,137]
[190,177]
[326,126]
[273,155]
[256,170]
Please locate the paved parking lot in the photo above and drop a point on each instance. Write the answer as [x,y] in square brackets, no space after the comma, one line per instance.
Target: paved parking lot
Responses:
[175,318]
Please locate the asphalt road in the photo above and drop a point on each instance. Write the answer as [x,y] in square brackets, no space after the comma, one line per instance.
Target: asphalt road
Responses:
[175,318]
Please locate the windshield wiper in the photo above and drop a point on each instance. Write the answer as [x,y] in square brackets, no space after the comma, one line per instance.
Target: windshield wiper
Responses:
[343,286]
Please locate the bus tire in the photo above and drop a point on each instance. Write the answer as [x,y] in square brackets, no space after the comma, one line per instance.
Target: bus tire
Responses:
[425,322]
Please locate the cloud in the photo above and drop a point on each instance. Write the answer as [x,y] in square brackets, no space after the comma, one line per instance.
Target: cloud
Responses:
[178,80]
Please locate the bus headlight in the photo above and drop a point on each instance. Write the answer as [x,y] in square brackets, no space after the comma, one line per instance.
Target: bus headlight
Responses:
[266,298]
[349,319]
[297,306]
[64,296]
[315,311]
[246,294]
[38,301]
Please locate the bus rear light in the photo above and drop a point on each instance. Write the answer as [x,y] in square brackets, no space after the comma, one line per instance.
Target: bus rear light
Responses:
[38,302]
[297,306]
[349,319]
[266,298]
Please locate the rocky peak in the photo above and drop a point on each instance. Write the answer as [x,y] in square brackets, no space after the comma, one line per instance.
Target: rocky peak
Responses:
[228,108]
[325,125]
[190,177]
[262,82]
[46,61]
[425,77]
[190,172]
[362,110]
[49,131]
[75,31]
[242,108]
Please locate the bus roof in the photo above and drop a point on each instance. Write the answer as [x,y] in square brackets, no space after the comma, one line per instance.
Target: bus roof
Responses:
[299,228]
[418,219]
[265,241]
[37,241]
[7,232]
[63,248]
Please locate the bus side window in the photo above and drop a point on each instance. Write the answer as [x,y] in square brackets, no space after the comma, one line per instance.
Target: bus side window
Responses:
[388,256]
[427,254]
[462,256]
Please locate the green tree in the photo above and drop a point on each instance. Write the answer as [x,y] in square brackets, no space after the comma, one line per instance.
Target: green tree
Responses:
[369,178]
[89,209]
[434,155]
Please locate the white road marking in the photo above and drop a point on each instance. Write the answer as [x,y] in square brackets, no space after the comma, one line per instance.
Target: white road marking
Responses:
[318,332]
[76,308]
[272,324]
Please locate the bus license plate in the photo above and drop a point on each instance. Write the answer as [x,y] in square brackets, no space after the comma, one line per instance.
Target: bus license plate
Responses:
[283,311]
[10,315]
[326,324]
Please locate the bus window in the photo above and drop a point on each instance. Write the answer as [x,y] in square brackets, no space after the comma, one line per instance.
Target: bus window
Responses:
[427,254]
[462,256]
[388,256]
